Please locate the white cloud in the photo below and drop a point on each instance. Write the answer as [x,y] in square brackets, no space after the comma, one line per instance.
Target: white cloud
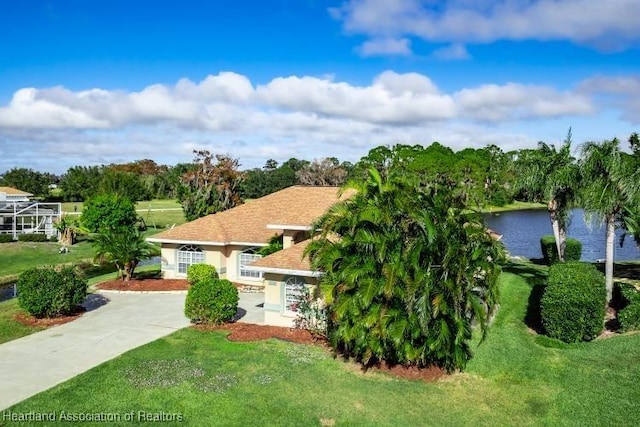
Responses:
[606,25]
[516,101]
[386,46]
[453,52]
[621,92]
[380,102]
[298,116]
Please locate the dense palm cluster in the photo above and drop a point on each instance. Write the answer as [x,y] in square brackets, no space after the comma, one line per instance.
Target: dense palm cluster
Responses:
[411,269]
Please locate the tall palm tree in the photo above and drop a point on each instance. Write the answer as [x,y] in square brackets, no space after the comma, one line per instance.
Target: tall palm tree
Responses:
[125,247]
[551,175]
[607,191]
[411,272]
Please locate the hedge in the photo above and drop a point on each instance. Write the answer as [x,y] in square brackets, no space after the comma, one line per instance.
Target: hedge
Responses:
[629,314]
[572,251]
[32,238]
[573,304]
[48,292]
[211,301]
[6,238]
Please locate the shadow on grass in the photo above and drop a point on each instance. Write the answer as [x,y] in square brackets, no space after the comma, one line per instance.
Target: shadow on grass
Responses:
[624,270]
[535,273]
[152,274]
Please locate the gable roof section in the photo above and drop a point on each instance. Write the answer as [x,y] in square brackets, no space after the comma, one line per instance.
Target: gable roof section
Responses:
[247,224]
[14,192]
[287,261]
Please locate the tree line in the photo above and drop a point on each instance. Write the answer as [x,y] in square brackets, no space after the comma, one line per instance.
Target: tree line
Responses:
[485,171]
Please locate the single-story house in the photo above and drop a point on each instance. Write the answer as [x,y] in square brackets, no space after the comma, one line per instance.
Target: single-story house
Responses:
[230,241]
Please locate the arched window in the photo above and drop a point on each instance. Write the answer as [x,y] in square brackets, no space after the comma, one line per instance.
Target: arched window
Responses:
[292,291]
[247,257]
[188,255]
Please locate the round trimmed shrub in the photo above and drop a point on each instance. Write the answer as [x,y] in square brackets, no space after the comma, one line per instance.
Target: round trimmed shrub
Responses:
[211,301]
[572,251]
[629,313]
[201,273]
[573,304]
[47,292]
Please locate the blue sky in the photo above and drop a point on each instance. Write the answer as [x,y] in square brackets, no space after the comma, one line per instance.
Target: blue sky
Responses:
[92,82]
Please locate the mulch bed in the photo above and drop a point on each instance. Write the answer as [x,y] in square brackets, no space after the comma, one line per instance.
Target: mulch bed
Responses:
[145,285]
[429,374]
[28,320]
[246,332]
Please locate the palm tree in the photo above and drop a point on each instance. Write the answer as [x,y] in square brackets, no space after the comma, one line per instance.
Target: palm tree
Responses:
[551,175]
[607,191]
[411,272]
[124,247]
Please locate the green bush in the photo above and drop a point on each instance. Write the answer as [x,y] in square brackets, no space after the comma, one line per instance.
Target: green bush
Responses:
[573,304]
[6,238]
[572,252]
[53,239]
[32,238]
[201,273]
[629,314]
[211,301]
[47,292]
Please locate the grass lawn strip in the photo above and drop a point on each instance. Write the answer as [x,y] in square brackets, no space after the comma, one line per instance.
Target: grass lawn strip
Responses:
[514,379]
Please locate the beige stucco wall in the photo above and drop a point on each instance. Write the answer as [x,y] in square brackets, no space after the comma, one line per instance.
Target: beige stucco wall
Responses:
[233,266]
[274,296]
[213,255]
[224,258]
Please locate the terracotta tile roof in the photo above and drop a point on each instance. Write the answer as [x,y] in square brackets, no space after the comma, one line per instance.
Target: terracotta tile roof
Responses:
[13,192]
[247,223]
[287,259]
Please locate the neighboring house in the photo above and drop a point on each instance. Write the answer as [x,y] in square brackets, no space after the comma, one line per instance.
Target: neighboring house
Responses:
[20,215]
[8,194]
[230,240]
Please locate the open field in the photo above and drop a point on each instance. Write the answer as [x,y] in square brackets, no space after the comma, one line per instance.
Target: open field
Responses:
[144,205]
[156,213]
[516,378]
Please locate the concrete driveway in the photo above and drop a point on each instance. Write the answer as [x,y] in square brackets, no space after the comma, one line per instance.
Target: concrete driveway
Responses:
[114,324]
[251,308]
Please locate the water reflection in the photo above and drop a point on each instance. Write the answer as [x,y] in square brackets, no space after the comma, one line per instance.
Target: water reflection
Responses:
[522,231]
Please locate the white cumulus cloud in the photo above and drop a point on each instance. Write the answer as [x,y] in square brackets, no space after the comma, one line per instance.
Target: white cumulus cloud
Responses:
[301,116]
[605,25]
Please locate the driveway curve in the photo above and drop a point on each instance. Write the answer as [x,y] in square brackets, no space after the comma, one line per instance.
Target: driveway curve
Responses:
[114,324]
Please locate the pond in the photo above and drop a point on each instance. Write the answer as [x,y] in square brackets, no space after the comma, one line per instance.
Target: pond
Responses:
[522,230]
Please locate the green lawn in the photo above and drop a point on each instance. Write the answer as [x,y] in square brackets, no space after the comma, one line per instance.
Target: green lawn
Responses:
[516,378]
[16,257]
[162,219]
[140,206]
[515,206]
[9,328]
[156,213]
